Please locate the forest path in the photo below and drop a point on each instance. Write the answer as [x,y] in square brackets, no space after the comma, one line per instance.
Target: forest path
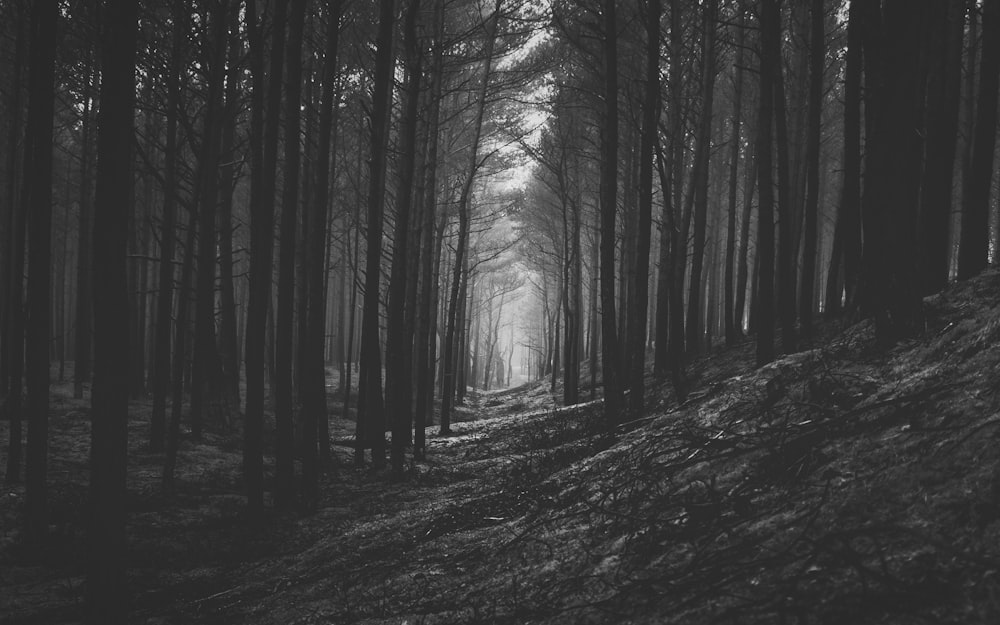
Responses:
[847,483]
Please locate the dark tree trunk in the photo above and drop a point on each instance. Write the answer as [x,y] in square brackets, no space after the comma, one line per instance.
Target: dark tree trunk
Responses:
[973,254]
[264,150]
[849,215]
[206,367]
[399,343]
[107,593]
[429,256]
[84,274]
[12,369]
[650,121]
[229,176]
[613,397]
[699,183]
[451,325]
[892,175]
[314,370]
[371,374]
[38,198]
[787,261]
[769,59]
[284,450]
[729,316]
[164,302]
[943,99]
[817,63]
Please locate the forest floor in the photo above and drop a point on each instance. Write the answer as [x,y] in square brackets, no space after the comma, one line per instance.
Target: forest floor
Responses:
[844,484]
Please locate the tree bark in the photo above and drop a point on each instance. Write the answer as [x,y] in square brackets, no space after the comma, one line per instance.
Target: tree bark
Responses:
[650,124]
[974,249]
[107,593]
[38,199]
[613,397]
[264,149]
[769,59]
[371,375]
[399,343]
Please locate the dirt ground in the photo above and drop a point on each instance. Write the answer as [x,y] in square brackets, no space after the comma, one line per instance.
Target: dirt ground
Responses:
[843,484]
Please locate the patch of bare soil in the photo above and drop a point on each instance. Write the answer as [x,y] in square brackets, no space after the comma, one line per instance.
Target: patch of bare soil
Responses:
[844,484]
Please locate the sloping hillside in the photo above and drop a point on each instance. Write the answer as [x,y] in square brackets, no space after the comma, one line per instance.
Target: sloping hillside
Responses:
[845,484]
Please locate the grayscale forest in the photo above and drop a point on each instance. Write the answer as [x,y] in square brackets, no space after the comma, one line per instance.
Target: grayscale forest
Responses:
[499,311]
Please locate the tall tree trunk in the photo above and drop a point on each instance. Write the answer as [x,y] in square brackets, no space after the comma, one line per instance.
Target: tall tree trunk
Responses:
[38,198]
[164,302]
[107,594]
[284,450]
[371,374]
[229,176]
[699,181]
[451,327]
[730,322]
[817,63]
[314,373]
[84,273]
[399,343]
[613,397]
[12,358]
[974,250]
[892,175]
[849,215]
[650,122]
[205,386]
[787,261]
[264,150]
[943,100]
[769,59]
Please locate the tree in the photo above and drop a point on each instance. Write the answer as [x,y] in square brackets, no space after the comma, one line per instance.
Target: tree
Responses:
[371,424]
[38,199]
[650,125]
[164,306]
[314,414]
[846,257]
[770,17]
[613,398]
[943,99]
[284,402]
[894,87]
[399,342]
[263,148]
[974,250]
[817,65]
[107,598]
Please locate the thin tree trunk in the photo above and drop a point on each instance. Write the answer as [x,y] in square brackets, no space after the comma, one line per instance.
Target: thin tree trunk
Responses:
[699,182]
[12,370]
[371,375]
[730,321]
[399,343]
[164,302]
[650,122]
[38,199]
[451,328]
